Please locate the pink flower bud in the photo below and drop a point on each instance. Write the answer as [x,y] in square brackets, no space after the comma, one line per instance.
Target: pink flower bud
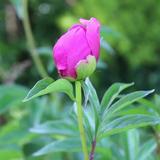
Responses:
[80,41]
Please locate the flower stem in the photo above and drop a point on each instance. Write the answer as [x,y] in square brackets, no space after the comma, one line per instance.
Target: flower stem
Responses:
[31,41]
[91,157]
[80,119]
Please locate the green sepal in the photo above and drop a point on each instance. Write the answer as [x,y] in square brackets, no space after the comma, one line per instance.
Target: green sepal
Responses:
[86,67]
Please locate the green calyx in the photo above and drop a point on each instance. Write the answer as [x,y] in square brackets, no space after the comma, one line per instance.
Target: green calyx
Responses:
[86,67]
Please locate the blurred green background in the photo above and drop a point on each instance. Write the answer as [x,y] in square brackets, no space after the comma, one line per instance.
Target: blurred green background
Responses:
[130,52]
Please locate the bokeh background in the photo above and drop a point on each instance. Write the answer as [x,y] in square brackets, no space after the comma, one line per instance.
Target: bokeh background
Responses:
[130,52]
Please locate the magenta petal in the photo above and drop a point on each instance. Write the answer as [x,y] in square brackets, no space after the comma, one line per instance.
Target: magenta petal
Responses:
[93,35]
[70,49]
[77,48]
[84,21]
[76,26]
[60,58]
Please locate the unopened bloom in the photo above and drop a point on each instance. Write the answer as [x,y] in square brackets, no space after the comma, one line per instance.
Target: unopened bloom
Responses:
[77,45]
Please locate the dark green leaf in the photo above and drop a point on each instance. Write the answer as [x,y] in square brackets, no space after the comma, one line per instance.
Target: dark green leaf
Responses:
[66,145]
[146,150]
[89,122]
[127,122]
[132,144]
[61,127]
[111,94]
[91,94]
[47,85]
[93,98]
[149,105]
[125,101]
[133,110]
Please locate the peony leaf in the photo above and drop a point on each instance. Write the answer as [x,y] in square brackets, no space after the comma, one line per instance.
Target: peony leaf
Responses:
[64,127]
[65,145]
[91,95]
[112,93]
[48,85]
[125,101]
[125,123]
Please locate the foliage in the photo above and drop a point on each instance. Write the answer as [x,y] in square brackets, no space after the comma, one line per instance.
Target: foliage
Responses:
[101,119]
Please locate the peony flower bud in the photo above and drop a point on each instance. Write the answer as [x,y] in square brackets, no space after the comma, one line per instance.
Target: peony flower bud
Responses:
[78,47]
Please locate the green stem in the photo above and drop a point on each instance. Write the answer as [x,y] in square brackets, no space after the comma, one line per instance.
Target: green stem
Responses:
[80,119]
[31,41]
